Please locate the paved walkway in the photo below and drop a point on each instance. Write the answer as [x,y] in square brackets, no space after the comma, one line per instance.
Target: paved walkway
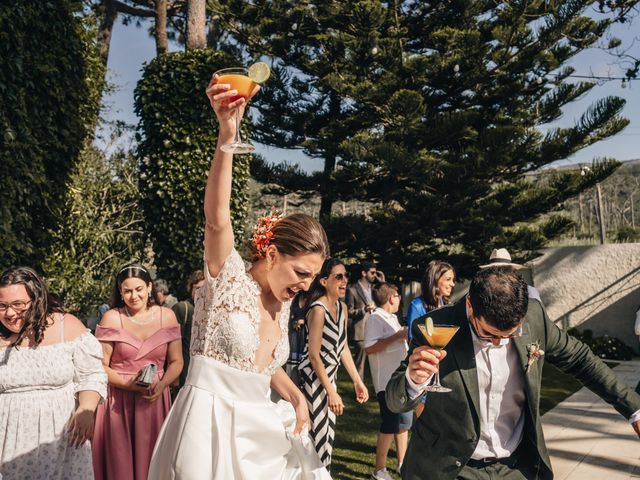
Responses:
[588,440]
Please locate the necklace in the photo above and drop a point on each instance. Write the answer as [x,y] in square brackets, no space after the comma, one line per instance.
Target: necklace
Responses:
[138,322]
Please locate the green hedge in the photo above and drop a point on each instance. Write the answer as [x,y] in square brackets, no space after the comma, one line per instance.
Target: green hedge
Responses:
[177,136]
[50,87]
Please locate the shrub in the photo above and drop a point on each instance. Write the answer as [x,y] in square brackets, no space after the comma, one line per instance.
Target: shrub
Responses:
[177,138]
[100,229]
[607,347]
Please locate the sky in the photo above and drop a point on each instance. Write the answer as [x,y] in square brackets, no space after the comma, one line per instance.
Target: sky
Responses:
[131,47]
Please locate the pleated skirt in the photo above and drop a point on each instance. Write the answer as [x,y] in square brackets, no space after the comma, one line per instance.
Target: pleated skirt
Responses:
[224,426]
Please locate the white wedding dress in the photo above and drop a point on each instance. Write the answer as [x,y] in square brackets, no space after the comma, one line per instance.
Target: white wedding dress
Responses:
[223,425]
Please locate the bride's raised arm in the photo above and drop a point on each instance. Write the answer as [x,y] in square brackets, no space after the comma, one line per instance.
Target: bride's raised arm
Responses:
[218,234]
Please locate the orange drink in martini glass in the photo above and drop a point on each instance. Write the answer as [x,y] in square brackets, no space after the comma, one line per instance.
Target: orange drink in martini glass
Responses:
[438,337]
[244,81]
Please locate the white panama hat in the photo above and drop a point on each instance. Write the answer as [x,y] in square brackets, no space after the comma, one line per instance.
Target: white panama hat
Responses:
[500,257]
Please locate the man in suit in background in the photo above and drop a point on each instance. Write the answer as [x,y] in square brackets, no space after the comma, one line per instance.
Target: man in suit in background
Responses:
[360,305]
[489,425]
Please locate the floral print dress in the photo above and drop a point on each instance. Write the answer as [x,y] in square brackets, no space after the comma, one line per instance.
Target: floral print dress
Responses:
[38,387]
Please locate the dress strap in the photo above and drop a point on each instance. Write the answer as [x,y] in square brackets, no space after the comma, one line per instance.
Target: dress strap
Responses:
[318,303]
[62,328]
[327,314]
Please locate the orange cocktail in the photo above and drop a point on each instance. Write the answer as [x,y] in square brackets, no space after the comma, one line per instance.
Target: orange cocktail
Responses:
[438,337]
[238,78]
[441,335]
[242,83]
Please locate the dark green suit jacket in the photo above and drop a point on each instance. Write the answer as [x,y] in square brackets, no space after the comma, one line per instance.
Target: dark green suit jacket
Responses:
[446,434]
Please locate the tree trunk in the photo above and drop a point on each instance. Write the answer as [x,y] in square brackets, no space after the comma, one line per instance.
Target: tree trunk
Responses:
[326,187]
[162,43]
[107,13]
[196,20]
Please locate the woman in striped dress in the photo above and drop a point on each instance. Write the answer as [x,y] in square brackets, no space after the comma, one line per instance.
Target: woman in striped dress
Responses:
[326,348]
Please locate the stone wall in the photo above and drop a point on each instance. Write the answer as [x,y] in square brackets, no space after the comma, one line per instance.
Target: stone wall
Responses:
[592,287]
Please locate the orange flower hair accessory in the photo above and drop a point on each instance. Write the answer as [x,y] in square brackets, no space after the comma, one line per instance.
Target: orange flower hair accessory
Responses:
[263,232]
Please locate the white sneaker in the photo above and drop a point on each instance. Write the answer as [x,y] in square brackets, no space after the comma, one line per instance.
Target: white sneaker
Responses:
[381,474]
[398,469]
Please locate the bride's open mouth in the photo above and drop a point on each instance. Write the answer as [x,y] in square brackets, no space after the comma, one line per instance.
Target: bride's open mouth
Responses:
[290,293]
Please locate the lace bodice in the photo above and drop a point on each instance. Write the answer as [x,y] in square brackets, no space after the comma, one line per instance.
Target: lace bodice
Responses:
[226,319]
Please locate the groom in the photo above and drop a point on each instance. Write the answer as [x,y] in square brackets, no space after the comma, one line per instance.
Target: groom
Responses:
[489,425]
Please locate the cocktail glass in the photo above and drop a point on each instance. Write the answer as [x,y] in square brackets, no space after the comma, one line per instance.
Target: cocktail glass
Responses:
[440,337]
[238,78]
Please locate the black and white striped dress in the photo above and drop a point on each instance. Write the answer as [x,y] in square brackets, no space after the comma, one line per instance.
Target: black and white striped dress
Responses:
[323,420]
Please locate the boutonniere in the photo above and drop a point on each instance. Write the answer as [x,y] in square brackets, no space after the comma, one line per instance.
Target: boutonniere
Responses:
[533,353]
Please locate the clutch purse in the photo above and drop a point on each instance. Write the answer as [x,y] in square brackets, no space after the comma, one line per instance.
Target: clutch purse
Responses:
[146,375]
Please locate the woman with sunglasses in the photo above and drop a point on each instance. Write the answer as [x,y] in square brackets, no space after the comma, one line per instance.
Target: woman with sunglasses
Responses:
[326,348]
[51,380]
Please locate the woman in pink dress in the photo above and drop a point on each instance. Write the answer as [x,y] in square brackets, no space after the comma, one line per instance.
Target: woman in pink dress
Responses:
[133,334]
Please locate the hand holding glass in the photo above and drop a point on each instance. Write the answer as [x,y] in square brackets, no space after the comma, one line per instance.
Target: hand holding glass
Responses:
[238,79]
[438,338]
[244,81]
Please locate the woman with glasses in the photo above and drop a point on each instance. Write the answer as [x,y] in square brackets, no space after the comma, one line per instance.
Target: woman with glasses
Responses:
[51,380]
[326,348]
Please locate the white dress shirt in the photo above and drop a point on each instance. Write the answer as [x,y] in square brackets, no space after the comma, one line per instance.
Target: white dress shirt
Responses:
[502,398]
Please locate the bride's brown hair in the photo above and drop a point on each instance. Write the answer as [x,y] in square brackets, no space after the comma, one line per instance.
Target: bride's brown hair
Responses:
[297,234]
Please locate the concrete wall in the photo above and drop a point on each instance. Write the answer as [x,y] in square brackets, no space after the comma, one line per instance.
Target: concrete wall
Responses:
[592,287]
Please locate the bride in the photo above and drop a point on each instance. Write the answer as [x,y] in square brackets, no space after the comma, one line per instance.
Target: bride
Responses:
[223,425]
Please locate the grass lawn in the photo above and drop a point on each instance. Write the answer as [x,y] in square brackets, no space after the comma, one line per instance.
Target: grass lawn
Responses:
[355,445]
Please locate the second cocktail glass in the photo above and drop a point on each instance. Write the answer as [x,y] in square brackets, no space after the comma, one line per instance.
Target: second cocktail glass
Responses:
[438,337]
[238,78]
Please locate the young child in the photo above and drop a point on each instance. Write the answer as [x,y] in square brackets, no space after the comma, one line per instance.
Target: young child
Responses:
[385,343]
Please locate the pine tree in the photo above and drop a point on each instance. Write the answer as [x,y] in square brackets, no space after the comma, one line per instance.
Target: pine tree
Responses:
[460,128]
[322,57]
[435,113]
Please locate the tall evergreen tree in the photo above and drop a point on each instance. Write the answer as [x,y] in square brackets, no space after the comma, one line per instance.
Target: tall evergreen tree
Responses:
[442,112]
[464,113]
[324,54]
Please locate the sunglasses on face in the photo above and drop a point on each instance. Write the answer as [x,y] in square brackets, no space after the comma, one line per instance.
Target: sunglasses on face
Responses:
[17,306]
[490,337]
[341,276]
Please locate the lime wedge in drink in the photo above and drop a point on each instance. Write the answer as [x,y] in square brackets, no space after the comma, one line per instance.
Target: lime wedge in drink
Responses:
[428,325]
[259,72]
